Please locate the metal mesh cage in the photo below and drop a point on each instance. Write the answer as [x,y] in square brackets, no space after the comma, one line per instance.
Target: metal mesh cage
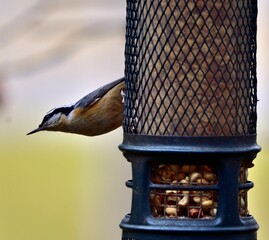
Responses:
[243,192]
[191,67]
[196,197]
[190,191]
[190,118]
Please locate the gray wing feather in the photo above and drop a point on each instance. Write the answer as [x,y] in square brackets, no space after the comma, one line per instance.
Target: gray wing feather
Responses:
[94,96]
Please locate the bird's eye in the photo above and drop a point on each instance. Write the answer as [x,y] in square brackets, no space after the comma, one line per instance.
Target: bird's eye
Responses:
[45,120]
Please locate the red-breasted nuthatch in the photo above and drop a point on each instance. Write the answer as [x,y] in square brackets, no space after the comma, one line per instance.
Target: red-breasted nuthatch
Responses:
[99,112]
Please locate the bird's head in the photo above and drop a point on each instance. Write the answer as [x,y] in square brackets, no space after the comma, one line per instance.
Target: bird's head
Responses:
[54,120]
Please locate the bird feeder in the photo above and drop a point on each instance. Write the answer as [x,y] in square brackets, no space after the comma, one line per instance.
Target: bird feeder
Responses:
[190,118]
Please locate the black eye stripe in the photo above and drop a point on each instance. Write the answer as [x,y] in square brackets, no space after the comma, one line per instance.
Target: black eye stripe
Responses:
[64,110]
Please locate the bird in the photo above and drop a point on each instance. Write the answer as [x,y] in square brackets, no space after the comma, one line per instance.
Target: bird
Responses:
[99,112]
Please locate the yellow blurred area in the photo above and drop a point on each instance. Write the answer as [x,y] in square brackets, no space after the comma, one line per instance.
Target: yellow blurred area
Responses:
[56,186]
[258,196]
[61,187]
[38,187]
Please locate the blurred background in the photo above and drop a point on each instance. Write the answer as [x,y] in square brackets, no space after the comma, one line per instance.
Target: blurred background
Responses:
[62,186]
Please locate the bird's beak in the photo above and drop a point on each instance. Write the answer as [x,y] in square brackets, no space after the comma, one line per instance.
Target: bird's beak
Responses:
[35,131]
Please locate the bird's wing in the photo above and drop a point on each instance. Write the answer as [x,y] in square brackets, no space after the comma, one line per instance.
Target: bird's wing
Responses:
[94,96]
